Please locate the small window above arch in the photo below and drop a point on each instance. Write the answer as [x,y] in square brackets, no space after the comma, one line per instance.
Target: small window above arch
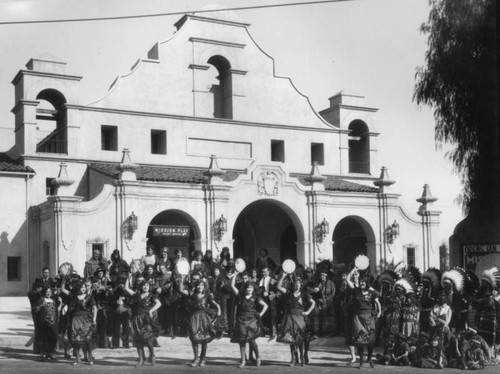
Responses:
[359,147]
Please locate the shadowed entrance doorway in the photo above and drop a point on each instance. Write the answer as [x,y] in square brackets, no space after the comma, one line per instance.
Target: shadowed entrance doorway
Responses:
[264,224]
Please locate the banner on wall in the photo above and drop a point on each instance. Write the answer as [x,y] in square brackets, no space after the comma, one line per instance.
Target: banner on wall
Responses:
[169,230]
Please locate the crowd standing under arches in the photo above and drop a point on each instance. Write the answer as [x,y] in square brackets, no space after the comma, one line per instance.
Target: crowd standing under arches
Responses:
[432,319]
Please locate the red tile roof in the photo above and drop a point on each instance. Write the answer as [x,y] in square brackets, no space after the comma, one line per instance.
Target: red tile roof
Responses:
[8,164]
[164,173]
[194,175]
[337,184]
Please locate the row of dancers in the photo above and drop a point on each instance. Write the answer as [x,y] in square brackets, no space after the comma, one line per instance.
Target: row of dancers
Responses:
[405,309]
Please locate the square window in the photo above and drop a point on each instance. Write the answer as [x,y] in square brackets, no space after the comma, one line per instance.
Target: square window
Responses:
[13,269]
[317,153]
[410,256]
[278,150]
[109,138]
[158,142]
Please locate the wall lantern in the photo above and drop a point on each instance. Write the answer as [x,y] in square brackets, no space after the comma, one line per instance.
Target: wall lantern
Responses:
[392,232]
[322,230]
[220,227]
[132,224]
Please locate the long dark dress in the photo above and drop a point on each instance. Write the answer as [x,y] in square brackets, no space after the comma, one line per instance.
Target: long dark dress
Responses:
[363,324]
[293,329]
[247,325]
[143,328]
[348,311]
[47,324]
[81,314]
[202,321]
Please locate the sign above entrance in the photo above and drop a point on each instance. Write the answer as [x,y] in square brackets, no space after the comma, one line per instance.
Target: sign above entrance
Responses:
[479,257]
[170,230]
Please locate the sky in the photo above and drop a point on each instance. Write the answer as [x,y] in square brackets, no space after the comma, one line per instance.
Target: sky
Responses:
[370,47]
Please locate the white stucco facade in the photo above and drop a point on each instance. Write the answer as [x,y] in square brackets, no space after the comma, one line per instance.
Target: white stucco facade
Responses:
[208,90]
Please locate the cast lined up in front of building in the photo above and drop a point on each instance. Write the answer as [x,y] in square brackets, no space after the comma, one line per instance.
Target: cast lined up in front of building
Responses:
[432,319]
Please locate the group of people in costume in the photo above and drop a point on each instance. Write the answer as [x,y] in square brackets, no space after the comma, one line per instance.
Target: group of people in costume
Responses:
[430,320]
[419,319]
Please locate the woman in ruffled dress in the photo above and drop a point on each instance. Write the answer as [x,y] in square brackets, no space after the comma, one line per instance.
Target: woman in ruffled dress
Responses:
[293,329]
[82,311]
[202,320]
[47,311]
[247,325]
[144,329]
[366,308]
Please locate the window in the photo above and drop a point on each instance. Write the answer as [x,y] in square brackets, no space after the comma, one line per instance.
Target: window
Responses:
[359,147]
[109,138]
[13,269]
[222,90]
[50,189]
[317,154]
[51,122]
[100,244]
[410,256]
[158,142]
[278,150]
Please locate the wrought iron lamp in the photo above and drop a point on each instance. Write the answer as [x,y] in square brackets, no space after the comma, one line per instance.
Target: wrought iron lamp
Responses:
[322,230]
[392,232]
[132,224]
[220,227]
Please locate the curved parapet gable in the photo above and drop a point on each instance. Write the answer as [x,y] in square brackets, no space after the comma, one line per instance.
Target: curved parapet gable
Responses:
[179,78]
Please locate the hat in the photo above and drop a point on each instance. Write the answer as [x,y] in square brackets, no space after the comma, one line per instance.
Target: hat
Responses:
[116,252]
[146,267]
[96,251]
[99,270]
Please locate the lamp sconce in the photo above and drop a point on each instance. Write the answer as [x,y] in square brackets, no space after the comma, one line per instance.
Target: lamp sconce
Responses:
[322,230]
[219,228]
[392,232]
[131,225]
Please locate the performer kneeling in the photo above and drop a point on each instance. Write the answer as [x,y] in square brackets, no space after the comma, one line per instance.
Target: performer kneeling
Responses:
[143,327]
[202,320]
[293,329]
[247,325]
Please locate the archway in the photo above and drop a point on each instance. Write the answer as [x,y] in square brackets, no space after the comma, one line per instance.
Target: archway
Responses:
[266,224]
[350,239]
[173,229]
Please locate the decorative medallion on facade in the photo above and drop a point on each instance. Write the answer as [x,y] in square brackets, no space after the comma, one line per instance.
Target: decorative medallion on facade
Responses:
[267,183]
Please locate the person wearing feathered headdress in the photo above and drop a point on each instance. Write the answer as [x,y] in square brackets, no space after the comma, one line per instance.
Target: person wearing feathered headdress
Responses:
[409,307]
[391,308]
[484,303]
[453,283]
[431,283]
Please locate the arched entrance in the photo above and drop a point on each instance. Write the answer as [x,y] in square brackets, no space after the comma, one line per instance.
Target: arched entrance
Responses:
[350,239]
[173,229]
[269,224]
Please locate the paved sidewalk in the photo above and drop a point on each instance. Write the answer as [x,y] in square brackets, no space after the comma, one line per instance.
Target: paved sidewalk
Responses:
[327,355]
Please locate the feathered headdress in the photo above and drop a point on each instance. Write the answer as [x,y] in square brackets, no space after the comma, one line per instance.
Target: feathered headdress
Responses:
[456,276]
[387,276]
[412,274]
[473,283]
[492,276]
[433,275]
[405,285]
